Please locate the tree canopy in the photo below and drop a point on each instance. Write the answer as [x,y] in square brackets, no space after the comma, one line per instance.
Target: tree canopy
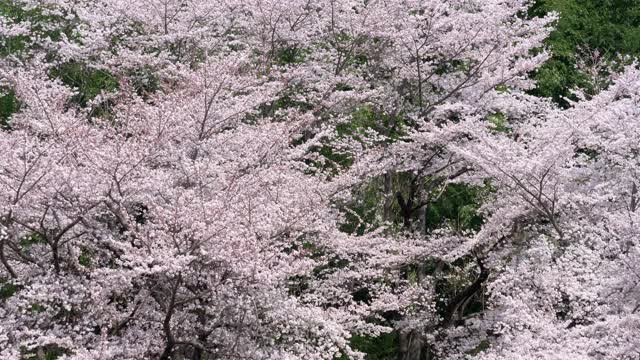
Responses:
[357,179]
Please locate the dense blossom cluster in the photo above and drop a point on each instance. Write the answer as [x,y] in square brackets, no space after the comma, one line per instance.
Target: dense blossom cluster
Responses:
[204,201]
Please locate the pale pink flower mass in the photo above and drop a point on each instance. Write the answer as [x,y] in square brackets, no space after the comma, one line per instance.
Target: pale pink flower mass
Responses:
[194,207]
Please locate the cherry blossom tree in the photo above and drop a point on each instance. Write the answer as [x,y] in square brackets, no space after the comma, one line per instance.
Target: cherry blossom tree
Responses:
[185,179]
[446,64]
[170,223]
[565,283]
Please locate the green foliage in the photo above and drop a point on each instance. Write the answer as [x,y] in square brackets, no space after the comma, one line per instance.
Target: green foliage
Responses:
[333,264]
[500,122]
[482,346]
[609,26]
[362,295]
[9,105]
[144,81]
[451,66]
[503,89]
[85,257]
[42,25]
[50,352]
[13,44]
[457,207]
[38,308]
[7,289]
[88,81]
[297,285]
[291,55]
[453,278]
[27,242]
[362,214]
[382,347]
[11,10]
[589,153]
[335,161]
[285,102]
[288,101]
[366,118]
[120,300]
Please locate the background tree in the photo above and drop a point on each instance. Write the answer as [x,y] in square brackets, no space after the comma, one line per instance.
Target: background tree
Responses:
[593,35]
